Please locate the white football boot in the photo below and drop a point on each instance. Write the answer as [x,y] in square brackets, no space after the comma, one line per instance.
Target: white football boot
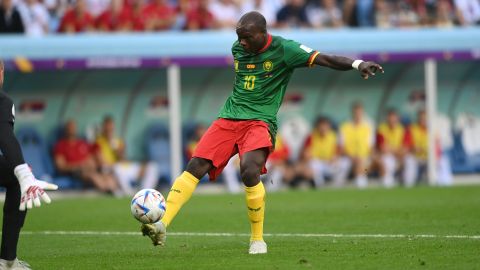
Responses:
[157,232]
[257,247]
[14,265]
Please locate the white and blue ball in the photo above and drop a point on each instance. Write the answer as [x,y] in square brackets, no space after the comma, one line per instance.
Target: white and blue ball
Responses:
[148,206]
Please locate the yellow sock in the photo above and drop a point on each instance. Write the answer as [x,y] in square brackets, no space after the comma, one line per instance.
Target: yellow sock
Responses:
[179,194]
[256,210]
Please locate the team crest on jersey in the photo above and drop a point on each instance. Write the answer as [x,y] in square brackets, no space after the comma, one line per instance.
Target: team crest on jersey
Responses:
[268,65]
[235,63]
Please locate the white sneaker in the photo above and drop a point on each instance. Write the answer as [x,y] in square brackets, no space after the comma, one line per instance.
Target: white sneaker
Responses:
[14,265]
[157,232]
[257,247]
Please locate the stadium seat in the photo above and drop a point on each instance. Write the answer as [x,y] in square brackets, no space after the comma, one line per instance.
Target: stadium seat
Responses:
[158,149]
[35,152]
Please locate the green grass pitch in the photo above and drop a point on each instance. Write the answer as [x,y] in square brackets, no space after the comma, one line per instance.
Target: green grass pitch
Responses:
[374,229]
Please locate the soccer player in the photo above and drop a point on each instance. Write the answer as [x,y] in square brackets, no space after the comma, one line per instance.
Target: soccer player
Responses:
[23,190]
[247,122]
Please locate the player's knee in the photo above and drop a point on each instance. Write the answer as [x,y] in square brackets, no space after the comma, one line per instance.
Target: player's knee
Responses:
[250,172]
[198,167]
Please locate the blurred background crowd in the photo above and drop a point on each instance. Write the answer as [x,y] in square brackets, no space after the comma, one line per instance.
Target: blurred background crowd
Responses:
[42,17]
[356,152]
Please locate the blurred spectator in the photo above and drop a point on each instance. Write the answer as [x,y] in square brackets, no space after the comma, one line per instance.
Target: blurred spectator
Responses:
[390,138]
[35,17]
[416,140]
[56,9]
[73,157]
[110,152]
[115,18]
[199,17]
[77,19]
[365,13]
[405,15]
[97,7]
[279,168]
[159,15]
[324,13]
[320,157]
[10,19]
[225,12]
[419,7]
[416,102]
[357,139]
[137,18]
[468,11]
[384,16]
[293,15]
[266,7]
[444,14]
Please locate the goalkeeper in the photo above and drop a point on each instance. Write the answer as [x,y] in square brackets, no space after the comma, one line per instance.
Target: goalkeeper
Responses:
[22,189]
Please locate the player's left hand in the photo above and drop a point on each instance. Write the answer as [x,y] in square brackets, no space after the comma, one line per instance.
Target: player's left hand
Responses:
[31,189]
[368,69]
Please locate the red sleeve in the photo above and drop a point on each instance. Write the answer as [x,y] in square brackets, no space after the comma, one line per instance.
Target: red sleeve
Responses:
[103,20]
[408,140]
[66,20]
[58,149]
[380,140]
[88,22]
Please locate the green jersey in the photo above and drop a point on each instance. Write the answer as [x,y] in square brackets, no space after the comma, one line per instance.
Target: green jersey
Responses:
[261,79]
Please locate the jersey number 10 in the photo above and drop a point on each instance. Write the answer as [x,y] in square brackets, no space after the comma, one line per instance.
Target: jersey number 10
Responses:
[249,83]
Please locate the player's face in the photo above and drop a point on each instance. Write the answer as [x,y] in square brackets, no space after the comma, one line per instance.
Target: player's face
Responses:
[109,128]
[422,119]
[357,114]
[70,129]
[393,119]
[251,39]
[323,127]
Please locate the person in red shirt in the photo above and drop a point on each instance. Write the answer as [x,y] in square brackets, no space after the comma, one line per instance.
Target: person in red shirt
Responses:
[159,15]
[199,17]
[77,19]
[116,18]
[137,18]
[73,157]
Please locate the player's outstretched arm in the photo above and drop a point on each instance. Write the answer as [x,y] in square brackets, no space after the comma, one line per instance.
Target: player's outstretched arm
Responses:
[366,69]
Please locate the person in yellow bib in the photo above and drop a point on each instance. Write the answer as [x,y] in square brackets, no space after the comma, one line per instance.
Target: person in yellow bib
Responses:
[416,140]
[320,156]
[357,139]
[110,153]
[390,147]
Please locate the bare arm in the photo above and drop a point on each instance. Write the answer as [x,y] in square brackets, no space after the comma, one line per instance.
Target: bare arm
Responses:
[344,63]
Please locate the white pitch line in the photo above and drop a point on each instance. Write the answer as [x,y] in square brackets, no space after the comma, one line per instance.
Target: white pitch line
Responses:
[207,234]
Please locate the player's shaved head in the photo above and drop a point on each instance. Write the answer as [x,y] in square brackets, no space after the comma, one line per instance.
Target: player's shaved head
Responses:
[252,31]
[254,20]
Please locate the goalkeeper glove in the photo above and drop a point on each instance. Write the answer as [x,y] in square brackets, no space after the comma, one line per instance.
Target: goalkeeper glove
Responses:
[31,188]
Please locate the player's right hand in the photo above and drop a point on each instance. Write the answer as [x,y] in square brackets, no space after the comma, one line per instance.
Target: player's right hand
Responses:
[368,69]
[31,189]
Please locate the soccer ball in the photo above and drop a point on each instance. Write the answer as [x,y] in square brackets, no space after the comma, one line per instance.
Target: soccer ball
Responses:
[148,206]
